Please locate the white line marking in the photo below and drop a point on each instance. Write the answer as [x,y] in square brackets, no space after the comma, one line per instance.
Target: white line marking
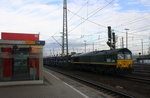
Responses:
[68,85]
[52,75]
[76,90]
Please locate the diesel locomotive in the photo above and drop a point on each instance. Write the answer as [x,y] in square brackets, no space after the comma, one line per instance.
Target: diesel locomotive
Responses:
[107,61]
[118,60]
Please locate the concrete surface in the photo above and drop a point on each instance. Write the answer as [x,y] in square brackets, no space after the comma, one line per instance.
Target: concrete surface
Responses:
[52,88]
[55,86]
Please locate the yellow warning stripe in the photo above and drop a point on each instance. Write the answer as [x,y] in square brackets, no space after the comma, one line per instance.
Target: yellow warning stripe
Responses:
[94,63]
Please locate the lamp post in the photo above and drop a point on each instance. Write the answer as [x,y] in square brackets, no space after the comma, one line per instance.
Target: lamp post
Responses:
[85,45]
[93,46]
[142,49]
[126,37]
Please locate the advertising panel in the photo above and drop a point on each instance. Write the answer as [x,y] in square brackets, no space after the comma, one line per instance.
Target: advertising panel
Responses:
[19,36]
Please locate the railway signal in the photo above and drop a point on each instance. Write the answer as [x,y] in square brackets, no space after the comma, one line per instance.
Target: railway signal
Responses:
[111,39]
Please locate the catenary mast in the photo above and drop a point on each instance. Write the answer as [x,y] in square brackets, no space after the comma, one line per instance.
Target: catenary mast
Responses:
[65,31]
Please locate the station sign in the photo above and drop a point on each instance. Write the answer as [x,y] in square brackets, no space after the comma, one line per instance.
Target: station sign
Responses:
[40,42]
[25,42]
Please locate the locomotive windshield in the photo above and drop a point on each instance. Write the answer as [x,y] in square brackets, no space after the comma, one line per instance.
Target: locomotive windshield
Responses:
[120,56]
[125,55]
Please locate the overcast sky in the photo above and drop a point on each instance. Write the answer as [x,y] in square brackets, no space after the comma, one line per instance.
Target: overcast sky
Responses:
[45,16]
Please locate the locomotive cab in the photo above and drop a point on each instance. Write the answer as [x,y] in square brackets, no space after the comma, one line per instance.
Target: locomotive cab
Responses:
[124,59]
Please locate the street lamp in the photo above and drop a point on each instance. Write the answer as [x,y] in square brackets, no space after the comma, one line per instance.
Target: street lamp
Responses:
[85,45]
[126,37]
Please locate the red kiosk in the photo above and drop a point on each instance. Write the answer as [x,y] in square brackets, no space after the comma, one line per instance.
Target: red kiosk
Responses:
[21,58]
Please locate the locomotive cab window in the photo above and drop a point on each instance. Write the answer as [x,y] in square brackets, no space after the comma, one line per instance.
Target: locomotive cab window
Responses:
[120,55]
[125,55]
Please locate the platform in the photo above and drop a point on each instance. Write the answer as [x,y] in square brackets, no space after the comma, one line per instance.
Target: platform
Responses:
[53,87]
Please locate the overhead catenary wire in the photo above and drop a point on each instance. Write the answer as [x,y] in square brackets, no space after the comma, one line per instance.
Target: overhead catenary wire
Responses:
[56,41]
[99,8]
[87,3]
[92,15]
[87,19]
[139,31]
[121,32]
[134,21]
[78,10]
[140,28]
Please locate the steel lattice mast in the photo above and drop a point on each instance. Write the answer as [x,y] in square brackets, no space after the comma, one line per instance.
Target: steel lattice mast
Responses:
[65,31]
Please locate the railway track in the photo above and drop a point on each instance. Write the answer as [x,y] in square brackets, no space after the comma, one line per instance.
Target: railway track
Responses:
[102,87]
[137,79]
[141,73]
[142,67]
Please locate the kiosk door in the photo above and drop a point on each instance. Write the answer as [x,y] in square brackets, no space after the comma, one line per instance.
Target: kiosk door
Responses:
[20,65]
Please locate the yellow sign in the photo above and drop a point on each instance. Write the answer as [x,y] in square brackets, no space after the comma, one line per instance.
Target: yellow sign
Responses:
[29,42]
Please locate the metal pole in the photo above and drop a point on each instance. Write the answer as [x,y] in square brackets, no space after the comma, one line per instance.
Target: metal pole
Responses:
[85,46]
[63,35]
[53,52]
[50,52]
[62,53]
[142,45]
[142,48]
[93,46]
[65,31]
[122,43]
[126,38]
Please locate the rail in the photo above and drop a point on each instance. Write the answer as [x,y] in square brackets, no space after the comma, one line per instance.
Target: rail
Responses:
[102,87]
[137,79]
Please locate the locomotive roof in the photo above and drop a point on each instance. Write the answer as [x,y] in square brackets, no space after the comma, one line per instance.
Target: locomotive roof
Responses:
[115,51]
